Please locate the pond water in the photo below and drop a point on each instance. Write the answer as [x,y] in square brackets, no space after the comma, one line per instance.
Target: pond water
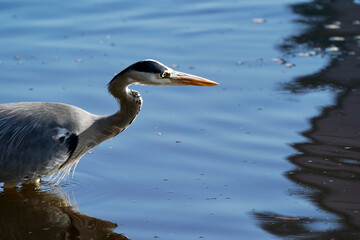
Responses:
[226,162]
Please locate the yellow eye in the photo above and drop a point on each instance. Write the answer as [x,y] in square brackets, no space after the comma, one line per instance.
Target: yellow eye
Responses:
[166,75]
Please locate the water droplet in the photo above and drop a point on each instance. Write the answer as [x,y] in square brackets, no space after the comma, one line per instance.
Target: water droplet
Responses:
[336,39]
[258,20]
[334,25]
[289,65]
[278,60]
[303,54]
[332,49]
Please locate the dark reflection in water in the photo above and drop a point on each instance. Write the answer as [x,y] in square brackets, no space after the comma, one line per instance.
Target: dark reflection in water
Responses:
[332,29]
[329,162]
[28,214]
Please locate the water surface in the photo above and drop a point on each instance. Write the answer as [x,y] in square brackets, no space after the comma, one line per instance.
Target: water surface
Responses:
[210,163]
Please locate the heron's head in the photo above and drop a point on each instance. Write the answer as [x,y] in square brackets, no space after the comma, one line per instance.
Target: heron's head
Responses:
[151,72]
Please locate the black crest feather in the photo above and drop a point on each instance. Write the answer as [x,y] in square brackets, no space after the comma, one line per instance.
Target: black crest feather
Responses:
[147,66]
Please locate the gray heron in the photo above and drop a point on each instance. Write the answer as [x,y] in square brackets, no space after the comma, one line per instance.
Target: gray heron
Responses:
[38,139]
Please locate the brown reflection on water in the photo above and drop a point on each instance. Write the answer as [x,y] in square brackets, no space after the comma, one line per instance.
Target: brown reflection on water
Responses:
[28,214]
[329,162]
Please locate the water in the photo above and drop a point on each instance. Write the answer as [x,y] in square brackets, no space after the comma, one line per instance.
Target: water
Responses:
[225,162]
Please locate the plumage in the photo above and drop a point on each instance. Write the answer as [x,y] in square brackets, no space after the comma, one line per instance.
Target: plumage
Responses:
[38,139]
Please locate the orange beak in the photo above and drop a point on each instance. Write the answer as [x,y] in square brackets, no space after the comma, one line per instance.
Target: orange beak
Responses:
[188,79]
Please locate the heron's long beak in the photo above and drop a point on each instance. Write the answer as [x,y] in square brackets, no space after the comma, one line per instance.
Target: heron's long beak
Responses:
[188,79]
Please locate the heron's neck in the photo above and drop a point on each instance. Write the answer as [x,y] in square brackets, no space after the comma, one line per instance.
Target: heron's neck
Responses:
[107,127]
[130,104]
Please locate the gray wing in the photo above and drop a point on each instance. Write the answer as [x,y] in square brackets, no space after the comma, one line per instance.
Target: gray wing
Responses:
[33,143]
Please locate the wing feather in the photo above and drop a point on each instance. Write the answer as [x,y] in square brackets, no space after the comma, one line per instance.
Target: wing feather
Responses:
[33,143]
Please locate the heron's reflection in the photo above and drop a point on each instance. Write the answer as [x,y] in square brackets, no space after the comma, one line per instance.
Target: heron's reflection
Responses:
[39,214]
[328,163]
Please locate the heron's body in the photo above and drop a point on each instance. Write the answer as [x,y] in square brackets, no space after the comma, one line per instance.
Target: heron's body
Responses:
[38,139]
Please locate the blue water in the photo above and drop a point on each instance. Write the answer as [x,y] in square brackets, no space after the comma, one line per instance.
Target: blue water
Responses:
[197,162]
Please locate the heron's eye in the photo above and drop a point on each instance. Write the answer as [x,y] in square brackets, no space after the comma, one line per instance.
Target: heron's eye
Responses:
[166,75]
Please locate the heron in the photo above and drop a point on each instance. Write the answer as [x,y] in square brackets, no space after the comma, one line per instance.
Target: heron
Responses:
[39,139]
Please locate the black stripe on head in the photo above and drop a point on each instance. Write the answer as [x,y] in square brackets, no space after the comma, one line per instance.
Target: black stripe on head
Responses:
[147,66]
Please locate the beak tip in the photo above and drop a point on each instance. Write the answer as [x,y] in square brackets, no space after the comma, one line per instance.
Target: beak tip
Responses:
[210,83]
[188,79]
